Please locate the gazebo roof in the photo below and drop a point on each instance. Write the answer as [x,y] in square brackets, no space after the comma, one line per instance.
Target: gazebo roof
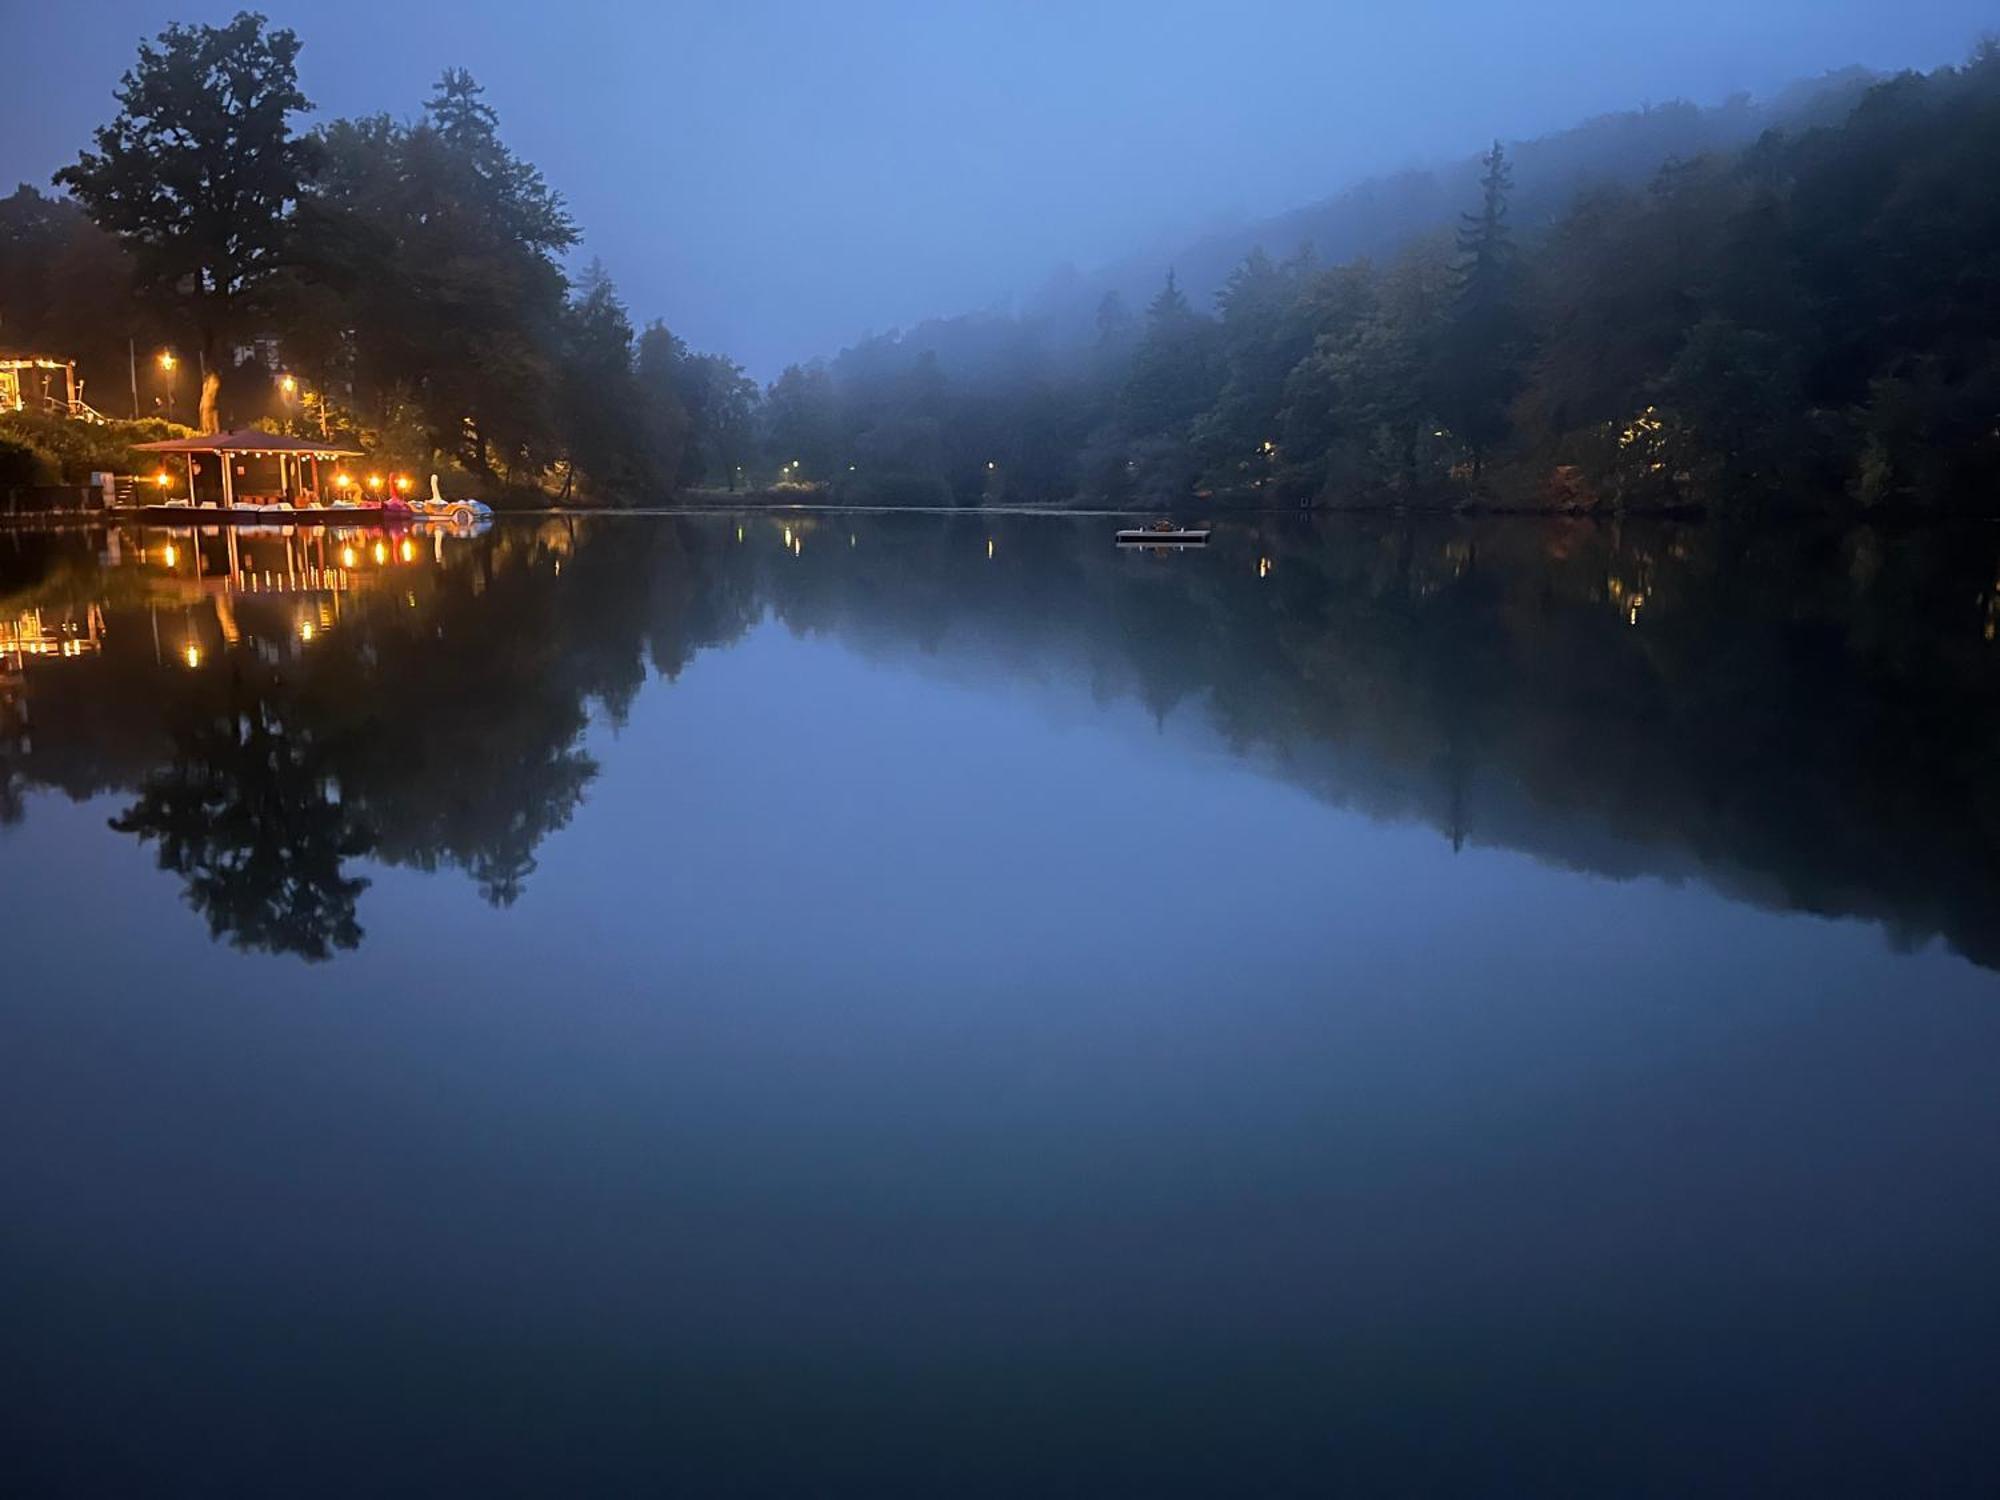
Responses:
[247,441]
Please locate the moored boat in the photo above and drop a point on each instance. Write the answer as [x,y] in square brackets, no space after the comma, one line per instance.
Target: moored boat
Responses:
[266,515]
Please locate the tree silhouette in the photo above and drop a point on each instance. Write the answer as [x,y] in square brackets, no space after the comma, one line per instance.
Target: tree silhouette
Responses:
[199,171]
[1482,349]
[249,815]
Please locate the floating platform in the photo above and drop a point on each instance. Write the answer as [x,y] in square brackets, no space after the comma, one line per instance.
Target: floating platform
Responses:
[1176,536]
[273,515]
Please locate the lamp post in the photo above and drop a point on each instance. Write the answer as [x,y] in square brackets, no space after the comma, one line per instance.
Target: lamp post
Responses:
[168,365]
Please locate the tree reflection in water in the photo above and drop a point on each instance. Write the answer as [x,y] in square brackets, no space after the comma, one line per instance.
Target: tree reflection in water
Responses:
[1804,718]
[248,813]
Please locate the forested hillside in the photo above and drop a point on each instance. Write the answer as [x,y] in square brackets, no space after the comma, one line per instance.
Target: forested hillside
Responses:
[1807,320]
[1377,216]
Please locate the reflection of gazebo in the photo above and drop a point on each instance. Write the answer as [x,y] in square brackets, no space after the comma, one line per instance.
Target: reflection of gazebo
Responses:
[230,468]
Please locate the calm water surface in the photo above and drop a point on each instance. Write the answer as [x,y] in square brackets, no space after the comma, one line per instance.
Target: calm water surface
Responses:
[863,1005]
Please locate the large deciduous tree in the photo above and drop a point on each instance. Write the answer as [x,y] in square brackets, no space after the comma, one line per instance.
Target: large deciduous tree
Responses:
[200,170]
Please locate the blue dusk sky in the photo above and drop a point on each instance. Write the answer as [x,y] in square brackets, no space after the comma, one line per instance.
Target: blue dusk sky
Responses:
[776,178]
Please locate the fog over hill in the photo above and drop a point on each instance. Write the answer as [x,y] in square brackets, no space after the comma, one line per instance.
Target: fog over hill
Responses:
[1376,215]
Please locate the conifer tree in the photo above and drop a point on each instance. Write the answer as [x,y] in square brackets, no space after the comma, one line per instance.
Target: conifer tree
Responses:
[1481,352]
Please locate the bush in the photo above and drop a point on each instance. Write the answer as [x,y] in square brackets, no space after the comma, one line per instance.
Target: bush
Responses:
[22,462]
[893,489]
[80,449]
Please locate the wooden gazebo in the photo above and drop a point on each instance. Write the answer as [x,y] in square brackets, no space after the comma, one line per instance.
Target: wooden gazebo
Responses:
[252,468]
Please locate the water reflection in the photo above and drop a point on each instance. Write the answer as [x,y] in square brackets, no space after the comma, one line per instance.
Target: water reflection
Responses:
[1803,719]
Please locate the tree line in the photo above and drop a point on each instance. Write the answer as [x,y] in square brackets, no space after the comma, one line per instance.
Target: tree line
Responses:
[400,285]
[1808,319]
[1803,319]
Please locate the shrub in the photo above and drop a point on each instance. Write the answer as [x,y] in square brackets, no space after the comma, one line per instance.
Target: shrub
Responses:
[22,462]
[80,449]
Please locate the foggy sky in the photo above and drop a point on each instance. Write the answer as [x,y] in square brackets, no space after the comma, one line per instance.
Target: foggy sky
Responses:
[777,177]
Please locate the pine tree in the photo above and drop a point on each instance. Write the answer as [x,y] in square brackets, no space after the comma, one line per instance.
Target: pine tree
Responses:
[1170,380]
[1114,322]
[1170,304]
[1482,348]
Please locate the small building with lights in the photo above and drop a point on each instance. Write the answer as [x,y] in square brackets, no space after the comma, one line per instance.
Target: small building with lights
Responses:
[49,387]
[247,469]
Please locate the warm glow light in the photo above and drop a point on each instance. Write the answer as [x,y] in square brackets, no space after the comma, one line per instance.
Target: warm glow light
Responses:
[403,483]
[347,558]
[374,481]
[289,386]
[192,655]
[1263,567]
[168,555]
[381,552]
[306,630]
[788,536]
[343,480]
[408,551]
[161,479]
[167,360]
[989,549]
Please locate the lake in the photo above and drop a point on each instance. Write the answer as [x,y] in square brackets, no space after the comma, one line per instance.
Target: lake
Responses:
[862,1004]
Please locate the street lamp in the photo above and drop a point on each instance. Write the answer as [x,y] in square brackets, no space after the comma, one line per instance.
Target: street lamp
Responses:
[168,364]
